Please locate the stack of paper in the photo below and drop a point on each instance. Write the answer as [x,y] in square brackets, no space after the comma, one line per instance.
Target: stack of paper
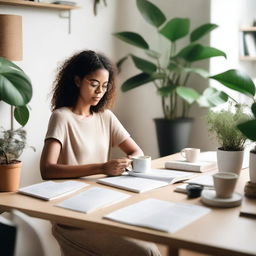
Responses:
[169,176]
[134,184]
[51,190]
[93,199]
[158,214]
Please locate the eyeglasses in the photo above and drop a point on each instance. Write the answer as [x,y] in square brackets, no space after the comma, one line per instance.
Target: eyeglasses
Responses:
[96,83]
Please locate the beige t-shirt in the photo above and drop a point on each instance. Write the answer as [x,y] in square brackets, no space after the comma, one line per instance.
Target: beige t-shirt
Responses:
[85,140]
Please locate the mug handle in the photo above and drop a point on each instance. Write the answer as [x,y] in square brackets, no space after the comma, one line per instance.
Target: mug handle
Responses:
[183,154]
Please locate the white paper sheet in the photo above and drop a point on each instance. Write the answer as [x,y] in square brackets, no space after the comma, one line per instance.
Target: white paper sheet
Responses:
[158,214]
[49,190]
[93,199]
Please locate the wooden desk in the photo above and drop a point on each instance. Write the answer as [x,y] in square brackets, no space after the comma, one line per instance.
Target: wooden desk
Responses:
[221,232]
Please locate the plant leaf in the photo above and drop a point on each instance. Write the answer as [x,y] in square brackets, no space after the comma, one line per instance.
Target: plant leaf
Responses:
[144,65]
[236,80]
[138,80]
[248,129]
[175,29]
[21,115]
[151,13]
[201,31]
[133,39]
[15,86]
[120,63]
[196,52]
[153,54]
[165,91]
[212,97]
[188,94]
[253,108]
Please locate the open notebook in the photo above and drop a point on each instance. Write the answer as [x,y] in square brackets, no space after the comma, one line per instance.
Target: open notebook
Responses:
[49,190]
[158,214]
[134,184]
[93,199]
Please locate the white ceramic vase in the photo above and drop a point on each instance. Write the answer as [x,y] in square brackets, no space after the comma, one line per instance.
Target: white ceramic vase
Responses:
[252,167]
[230,161]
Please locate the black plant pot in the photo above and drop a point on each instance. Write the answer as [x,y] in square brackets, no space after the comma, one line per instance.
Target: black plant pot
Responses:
[172,135]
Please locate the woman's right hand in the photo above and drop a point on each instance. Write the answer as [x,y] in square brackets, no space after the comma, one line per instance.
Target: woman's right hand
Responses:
[116,167]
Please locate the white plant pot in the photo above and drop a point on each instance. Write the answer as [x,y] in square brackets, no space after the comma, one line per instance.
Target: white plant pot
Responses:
[230,161]
[252,167]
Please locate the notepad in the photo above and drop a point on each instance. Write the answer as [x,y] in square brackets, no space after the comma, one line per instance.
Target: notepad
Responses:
[93,199]
[170,176]
[134,184]
[50,190]
[205,180]
[158,214]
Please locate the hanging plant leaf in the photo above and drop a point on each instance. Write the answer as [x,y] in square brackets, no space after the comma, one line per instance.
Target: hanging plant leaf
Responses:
[120,63]
[151,13]
[175,29]
[165,91]
[248,129]
[201,31]
[153,54]
[138,80]
[188,94]
[133,39]
[236,80]
[144,65]
[15,86]
[21,115]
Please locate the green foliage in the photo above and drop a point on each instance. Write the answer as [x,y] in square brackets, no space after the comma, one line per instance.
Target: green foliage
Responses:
[223,125]
[15,89]
[171,77]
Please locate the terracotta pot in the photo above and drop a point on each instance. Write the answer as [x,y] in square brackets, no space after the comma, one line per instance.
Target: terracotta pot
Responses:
[252,167]
[10,177]
[230,161]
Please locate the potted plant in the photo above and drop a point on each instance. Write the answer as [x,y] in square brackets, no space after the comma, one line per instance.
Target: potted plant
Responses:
[245,86]
[169,70]
[15,90]
[223,125]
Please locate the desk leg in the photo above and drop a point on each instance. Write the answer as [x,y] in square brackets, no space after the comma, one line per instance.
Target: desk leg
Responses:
[173,251]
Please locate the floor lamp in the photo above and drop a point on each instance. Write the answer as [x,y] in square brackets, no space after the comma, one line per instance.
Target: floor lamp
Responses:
[11,40]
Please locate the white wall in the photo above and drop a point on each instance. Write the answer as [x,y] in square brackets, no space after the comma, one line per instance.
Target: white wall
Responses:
[47,42]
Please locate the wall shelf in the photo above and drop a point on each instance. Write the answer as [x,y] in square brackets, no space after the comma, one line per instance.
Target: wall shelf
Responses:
[248,43]
[37,4]
[60,7]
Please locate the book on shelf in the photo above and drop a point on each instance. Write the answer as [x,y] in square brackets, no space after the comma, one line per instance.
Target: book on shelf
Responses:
[158,214]
[207,162]
[170,176]
[50,190]
[93,199]
[134,184]
[250,43]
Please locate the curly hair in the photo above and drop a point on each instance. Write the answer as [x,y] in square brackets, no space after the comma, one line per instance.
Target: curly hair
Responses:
[65,92]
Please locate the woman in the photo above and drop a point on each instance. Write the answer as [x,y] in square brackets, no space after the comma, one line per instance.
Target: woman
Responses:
[81,133]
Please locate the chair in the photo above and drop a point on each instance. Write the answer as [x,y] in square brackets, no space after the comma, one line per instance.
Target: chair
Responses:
[27,242]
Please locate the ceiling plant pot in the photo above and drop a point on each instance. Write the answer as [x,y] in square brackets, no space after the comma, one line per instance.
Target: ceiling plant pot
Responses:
[230,161]
[172,135]
[10,176]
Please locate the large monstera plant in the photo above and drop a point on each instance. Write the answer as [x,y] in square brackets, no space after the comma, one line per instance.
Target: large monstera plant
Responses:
[169,69]
[15,90]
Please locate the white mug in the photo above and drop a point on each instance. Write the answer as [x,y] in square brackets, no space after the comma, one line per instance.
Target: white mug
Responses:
[190,154]
[224,184]
[141,163]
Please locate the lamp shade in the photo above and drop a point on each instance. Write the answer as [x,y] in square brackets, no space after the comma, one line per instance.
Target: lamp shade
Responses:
[11,36]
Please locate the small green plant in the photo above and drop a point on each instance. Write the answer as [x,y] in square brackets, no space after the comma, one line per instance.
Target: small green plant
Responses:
[16,91]
[223,125]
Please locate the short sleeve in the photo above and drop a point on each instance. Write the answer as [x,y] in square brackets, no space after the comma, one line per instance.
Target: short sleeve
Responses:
[56,127]
[118,132]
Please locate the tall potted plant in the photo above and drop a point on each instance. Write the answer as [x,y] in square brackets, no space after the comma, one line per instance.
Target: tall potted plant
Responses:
[223,125]
[169,70]
[15,90]
[245,86]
